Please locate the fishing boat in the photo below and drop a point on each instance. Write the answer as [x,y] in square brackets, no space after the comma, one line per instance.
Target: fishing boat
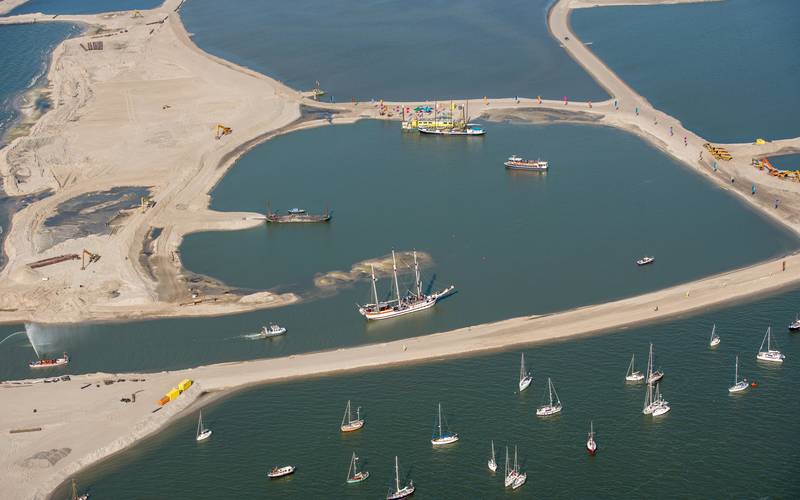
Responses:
[350,424]
[440,436]
[715,340]
[277,472]
[405,491]
[353,474]
[591,444]
[645,260]
[202,432]
[794,326]
[633,375]
[49,363]
[492,462]
[273,330]
[770,355]
[653,374]
[525,377]
[510,474]
[296,215]
[738,385]
[520,477]
[470,129]
[515,162]
[661,406]
[411,302]
[75,495]
[554,406]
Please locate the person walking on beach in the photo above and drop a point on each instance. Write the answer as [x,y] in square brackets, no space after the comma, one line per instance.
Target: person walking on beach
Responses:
[637,110]
[685,141]
[670,131]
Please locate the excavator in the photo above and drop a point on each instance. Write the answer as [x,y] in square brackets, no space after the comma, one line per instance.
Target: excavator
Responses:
[93,257]
[222,130]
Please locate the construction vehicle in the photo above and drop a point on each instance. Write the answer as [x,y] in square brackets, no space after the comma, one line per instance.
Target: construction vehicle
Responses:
[93,257]
[146,202]
[222,130]
[136,14]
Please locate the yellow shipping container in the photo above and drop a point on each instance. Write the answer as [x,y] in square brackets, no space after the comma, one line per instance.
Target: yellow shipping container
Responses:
[185,384]
[174,393]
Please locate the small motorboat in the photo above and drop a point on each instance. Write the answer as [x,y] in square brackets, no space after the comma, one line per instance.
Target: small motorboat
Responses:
[794,326]
[645,260]
[517,163]
[49,363]
[277,472]
[273,330]
[296,211]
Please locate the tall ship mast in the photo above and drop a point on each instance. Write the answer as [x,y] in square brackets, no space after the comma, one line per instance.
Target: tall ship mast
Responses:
[413,301]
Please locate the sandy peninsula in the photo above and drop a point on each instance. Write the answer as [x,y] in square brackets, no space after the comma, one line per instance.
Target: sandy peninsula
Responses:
[143,112]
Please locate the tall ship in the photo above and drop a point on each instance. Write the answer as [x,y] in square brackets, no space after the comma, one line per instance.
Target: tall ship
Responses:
[296,215]
[411,302]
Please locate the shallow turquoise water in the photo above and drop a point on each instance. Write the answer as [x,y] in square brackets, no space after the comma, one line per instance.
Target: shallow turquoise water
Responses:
[728,70]
[711,445]
[393,49]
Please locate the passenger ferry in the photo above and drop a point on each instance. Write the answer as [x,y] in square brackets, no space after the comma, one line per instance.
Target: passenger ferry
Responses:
[516,163]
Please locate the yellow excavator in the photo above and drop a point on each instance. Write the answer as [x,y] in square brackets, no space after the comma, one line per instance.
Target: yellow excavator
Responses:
[93,257]
[222,130]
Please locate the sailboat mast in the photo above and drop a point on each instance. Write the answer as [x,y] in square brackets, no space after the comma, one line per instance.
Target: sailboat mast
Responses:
[374,288]
[396,284]
[440,419]
[506,461]
[522,366]
[736,372]
[516,466]
[396,474]
[492,450]
[416,272]
[550,390]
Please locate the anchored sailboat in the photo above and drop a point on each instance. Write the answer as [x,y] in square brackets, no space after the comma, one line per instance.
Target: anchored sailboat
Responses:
[353,474]
[661,405]
[525,377]
[510,474]
[520,477]
[75,496]
[411,302]
[715,340]
[653,375]
[440,436]
[202,432]
[492,463]
[591,444]
[350,424]
[738,385]
[633,375]
[552,407]
[405,491]
[770,355]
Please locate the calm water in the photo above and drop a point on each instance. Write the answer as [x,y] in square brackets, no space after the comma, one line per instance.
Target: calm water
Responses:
[512,244]
[728,70]
[395,49]
[711,445]
[83,6]
[786,162]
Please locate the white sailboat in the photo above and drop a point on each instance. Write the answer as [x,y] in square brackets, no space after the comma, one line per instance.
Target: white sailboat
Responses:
[440,436]
[653,375]
[633,375]
[591,444]
[554,406]
[738,385]
[770,355]
[350,424]
[521,477]
[405,491]
[661,405]
[715,340]
[411,302]
[510,474]
[353,474]
[492,462]
[654,403]
[202,432]
[525,377]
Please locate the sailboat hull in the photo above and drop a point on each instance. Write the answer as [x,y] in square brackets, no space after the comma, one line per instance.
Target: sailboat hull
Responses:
[406,308]
[525,383]
[739,387]
[203,435]
[591,447]
[492,465]
[357,478]
[444,440]
[352,426]
[548,410]
[770,356]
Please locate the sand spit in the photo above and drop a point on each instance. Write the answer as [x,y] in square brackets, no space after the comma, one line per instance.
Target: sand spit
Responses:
[7,6]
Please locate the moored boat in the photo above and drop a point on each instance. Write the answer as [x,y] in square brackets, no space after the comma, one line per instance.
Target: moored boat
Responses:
[794,326]
[519,477]
[470,129]
[517,163]
[277,472]
[296,215]
[442,435]
[715,340]
[645,260]
[554,406]
[353,474]
[411,302]
[661,406]
[591,444]
[653,375]
[492,462]
[738,385]
[405,491]
[510,474]
[769,355]
[202,433]
[350,424]
[525,377]
[633,375]
[49,363]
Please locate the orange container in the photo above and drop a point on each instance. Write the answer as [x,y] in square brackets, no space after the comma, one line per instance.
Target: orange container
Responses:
[164,400]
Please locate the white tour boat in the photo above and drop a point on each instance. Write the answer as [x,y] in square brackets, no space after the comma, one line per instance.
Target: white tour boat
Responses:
[633,375]
[525,377]
[770,355]
[273,330]
[738,385]
[715,340]
[202,432]
[516,163]
[441,437]
[405,491]
[554,406]
[277,472]
[411,302]
[350,424]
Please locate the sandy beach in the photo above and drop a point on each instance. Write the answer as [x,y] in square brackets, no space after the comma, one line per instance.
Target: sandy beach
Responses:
[144,112]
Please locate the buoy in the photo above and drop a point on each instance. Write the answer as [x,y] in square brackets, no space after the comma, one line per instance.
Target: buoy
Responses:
[754,384]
